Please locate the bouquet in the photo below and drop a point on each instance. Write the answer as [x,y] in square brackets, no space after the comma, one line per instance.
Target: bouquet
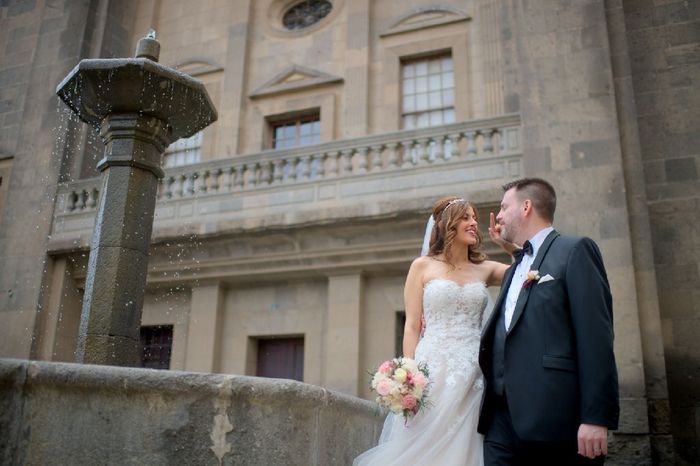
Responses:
[402,385]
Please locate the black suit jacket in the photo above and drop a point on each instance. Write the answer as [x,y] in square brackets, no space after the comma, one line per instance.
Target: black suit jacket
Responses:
[559,367]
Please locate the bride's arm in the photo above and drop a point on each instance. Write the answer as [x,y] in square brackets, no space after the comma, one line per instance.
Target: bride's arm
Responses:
[496,272]
[413,303]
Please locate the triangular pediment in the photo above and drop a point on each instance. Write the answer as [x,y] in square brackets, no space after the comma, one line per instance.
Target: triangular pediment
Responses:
[197,66]
[425,17]
[294,78]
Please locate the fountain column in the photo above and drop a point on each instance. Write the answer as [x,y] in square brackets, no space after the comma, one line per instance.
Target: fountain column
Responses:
[140,108]
[116,278]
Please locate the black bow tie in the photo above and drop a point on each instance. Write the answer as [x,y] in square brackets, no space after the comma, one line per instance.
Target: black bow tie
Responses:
[518,254]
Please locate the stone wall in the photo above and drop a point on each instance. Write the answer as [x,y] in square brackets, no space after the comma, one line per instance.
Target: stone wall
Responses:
[65,414]
[663,42]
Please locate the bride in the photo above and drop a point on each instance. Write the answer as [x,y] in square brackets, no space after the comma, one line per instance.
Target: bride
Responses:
[447,290]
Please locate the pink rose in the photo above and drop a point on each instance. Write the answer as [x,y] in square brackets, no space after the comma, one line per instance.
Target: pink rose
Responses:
[420,380]
[409,402]
[386,367]
[384,387]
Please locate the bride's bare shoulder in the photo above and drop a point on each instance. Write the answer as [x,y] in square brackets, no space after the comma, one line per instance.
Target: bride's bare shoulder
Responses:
[421,262]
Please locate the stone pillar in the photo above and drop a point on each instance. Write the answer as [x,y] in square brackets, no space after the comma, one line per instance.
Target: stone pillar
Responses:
[116,277]
[341,365]
[203,336]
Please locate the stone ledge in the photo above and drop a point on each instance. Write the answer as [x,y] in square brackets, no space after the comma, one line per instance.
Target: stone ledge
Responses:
[63,413]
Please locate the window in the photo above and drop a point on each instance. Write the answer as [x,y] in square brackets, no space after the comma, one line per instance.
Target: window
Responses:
[428,92]
[296,131]
[304,14]
[399,329]
[184,151]
[281,358]
[157,345]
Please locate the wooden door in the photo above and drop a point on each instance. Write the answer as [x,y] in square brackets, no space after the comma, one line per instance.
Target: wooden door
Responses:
[281,358]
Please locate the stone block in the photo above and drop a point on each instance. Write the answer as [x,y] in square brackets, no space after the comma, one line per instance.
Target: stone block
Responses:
[682,169]
[592,153]
[629,450]
[634,418]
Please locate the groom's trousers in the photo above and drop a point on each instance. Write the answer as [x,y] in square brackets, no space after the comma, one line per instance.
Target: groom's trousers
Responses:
[503,447]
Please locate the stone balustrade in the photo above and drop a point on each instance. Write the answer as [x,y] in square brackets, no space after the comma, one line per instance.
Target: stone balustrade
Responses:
[325,175]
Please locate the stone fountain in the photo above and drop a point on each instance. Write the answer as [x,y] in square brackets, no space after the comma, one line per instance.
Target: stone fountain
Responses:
[139,107]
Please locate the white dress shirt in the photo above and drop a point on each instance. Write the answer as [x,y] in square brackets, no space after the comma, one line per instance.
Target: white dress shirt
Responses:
[520,274]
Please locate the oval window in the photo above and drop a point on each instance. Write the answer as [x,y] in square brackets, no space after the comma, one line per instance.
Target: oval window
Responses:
[305,14]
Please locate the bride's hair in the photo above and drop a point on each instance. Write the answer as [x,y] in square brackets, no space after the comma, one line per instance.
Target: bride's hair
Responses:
[447,213]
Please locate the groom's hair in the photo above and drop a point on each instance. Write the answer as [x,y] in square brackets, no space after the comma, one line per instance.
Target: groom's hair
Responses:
[539,191]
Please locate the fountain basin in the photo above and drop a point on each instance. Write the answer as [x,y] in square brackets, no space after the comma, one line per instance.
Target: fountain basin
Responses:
[96,88]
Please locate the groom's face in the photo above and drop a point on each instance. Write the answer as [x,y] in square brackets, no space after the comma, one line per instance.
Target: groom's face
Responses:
[510,218]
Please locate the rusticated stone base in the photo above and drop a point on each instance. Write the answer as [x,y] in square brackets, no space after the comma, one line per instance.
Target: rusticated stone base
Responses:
[65,414]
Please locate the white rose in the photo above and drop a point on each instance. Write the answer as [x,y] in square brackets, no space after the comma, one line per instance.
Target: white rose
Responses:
[400,375]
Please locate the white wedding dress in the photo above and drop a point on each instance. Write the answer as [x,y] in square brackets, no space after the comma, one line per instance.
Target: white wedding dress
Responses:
[445,433]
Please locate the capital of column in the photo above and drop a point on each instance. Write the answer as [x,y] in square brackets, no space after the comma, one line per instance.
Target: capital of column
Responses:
[134,140]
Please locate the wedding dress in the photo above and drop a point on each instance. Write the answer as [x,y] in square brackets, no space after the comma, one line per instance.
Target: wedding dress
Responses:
[445,433]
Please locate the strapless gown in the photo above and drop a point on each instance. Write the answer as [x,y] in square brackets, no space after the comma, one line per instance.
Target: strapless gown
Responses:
[445,433]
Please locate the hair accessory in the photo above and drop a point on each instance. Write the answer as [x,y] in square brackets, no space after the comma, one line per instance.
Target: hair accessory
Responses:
[453,201]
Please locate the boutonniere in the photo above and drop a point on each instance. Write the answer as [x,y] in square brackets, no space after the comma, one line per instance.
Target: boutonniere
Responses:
[532,277]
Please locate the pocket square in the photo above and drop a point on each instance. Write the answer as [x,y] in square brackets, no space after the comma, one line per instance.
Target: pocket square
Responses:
[546,278]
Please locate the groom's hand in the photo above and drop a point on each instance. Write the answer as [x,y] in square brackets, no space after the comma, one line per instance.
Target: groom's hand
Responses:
[592,440]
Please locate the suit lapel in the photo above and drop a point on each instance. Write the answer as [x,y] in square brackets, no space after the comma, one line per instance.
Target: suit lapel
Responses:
[525,292]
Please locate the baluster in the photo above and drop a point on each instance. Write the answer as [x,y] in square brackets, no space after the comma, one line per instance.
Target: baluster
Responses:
[488,141]
[254,175]
[92,198]
[319,165]
[72,201]
[250,175]
[393,160]
[277,172]
[265,173]
[423,155]
[82,203]
[407,154]
[168,191]
[216,175]
[291,169]
[192,181]
[376,152]
[431,149]
[203,188]
[443,148]
[347,161]
[304,169]
[362,159]
[333,163]
[238,180]
[230,174]
[454,145]
[179,185]
[471,144]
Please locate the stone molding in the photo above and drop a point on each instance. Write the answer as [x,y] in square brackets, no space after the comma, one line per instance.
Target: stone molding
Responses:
[425,17]
[294,78]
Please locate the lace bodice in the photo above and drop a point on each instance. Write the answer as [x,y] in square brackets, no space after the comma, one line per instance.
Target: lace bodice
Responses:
[452,314]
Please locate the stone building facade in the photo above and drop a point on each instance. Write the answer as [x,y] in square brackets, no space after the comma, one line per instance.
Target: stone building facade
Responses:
[293,219]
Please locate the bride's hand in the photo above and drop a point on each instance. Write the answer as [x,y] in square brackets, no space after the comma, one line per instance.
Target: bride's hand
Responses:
[495,234]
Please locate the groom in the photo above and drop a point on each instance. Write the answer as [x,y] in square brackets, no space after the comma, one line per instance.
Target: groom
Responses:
[547,349]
